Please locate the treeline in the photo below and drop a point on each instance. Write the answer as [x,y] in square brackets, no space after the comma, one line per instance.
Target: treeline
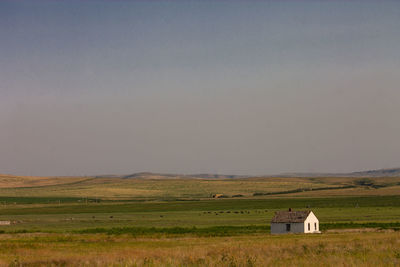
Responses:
[225,230]
[171,231]
[303,190]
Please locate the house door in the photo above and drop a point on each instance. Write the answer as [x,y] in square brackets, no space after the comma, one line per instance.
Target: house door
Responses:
[288,227]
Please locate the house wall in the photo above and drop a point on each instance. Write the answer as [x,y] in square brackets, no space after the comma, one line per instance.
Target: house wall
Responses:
[280,228]
[312,220]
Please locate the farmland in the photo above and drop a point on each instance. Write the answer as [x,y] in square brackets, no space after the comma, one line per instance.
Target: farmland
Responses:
[167,187]
[83,217]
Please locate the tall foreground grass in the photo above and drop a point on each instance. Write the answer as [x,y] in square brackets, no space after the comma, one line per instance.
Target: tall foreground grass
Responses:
[340,249]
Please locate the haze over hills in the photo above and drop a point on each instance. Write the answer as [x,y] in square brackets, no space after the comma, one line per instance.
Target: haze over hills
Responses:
[380,172]
[194,176]
[393,172]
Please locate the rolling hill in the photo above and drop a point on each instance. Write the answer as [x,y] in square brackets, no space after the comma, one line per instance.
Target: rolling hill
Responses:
[393,172]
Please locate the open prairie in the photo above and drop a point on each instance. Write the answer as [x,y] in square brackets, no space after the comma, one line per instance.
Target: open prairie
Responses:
[176,221]
[59,203]
[168,187]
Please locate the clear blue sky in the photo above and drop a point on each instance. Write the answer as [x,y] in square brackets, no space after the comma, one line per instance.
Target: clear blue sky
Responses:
[237,87]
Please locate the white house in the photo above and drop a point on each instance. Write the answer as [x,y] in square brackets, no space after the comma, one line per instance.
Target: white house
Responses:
[294,222]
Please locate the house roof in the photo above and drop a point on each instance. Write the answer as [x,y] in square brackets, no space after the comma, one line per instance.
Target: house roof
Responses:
[290,216]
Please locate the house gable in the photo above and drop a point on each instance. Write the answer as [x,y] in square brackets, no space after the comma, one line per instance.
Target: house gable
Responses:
[311,224]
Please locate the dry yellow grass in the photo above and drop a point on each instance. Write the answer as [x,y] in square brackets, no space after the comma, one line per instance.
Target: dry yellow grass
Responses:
[12,181]
[339,249]
[175,187]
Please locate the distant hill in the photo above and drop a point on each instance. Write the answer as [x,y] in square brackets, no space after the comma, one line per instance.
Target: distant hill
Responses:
[394,172]
[12,180]
[150,175]
[378,173]
[216,176]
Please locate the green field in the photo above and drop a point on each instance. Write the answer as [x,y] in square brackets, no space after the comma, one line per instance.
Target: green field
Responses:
[197,213]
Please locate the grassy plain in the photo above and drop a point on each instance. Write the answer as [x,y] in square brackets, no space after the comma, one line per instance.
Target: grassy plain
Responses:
[198,213]
[189,188]
[175,221]
[333,249]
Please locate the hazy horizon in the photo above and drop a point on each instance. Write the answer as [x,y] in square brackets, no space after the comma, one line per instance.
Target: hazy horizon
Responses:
[227,87]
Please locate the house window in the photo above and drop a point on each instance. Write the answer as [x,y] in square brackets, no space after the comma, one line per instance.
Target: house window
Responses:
[309,228]
[288,227]
[315,226]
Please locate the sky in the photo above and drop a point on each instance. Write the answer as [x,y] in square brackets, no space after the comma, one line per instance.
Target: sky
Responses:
[228,87]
